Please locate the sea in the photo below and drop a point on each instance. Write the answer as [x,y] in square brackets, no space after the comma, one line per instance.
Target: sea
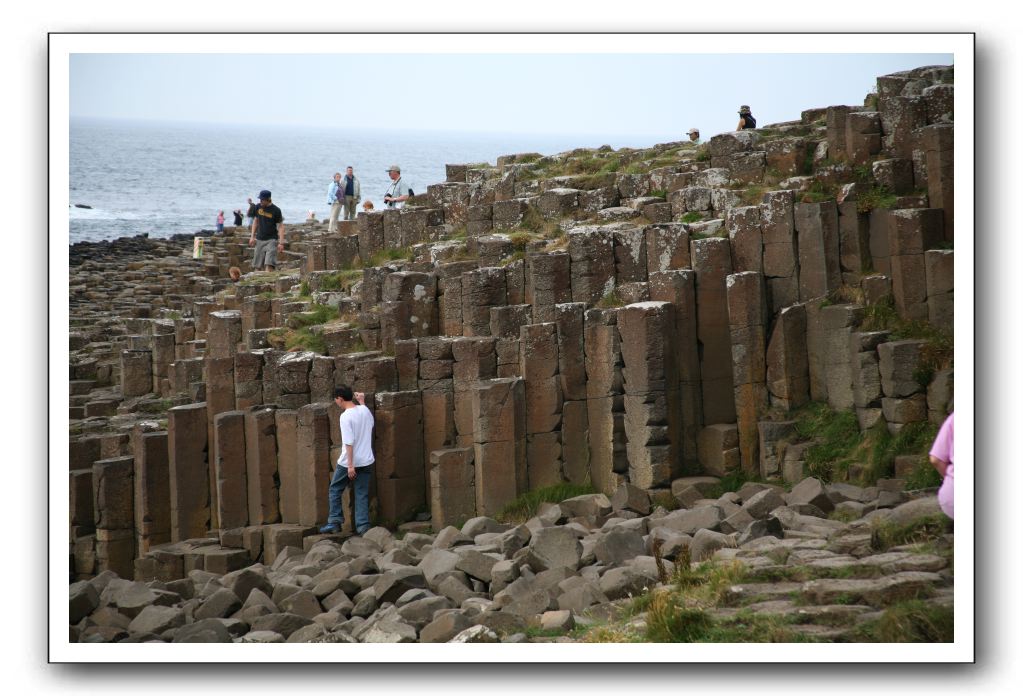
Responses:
[162,179]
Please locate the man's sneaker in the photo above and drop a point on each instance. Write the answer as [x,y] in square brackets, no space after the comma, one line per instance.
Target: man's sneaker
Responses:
[330,528]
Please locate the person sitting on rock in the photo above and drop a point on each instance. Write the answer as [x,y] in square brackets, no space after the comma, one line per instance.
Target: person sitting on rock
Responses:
[746,120]
[235,273]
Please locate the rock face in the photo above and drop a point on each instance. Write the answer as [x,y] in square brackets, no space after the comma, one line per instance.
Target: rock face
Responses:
[539,324]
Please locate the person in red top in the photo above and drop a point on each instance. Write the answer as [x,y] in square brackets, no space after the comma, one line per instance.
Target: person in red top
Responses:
[220,222]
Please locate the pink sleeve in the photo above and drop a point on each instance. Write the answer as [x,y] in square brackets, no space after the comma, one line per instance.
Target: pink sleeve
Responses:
[942,447]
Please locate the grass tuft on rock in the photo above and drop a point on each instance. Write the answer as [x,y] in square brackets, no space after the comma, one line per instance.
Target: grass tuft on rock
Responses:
[527,504]
[910,621]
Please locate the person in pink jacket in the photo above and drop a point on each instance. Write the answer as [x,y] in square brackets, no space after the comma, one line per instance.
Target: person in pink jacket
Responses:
[220,222]
[942,459]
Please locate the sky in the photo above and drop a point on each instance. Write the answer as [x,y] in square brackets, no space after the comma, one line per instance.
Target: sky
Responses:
[655,95]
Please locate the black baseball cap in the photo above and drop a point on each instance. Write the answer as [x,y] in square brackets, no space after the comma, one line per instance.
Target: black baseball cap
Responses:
[264,194]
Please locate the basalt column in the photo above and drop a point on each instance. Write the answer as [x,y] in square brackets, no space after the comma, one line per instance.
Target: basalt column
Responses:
[712,261]
[499,439]
[539,356]
[651,385]
[398,450]
[605,406]
[189,471]
[679,288]
[575,453]
[747,322]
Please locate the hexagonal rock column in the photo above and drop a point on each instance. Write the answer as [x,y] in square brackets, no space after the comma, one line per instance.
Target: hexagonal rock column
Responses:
[371,234]
[937,143]
[788,379]
[285,424]
[499,443]
[481,289]
[189,471]
[712,261]
[152,489]
[312,463]
[539,369]
[652,407]
[605,409]
[452,487]
[230,469]
[261,470]
[593,264]
[114,515]
[838,322]
[817,240]
[225,333]
[746,238]
[940,268]
[398,449]
[747,325]
[667,247]
[136,373]
[548,282]
[779,240]
[570,320]
[912,232]
[679,288]
[475,359]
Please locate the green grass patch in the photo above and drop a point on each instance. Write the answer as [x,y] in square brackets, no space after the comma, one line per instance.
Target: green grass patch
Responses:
[841,444]
[753,195]
[304,339]
[659,193]
[884,535]
[303,289]
[385,256]
[703,153]
[938,351]
[910,621]
[610,300]
[732,481]
[318,314]
[692,216]
[876,197]
[818,192]
[526,505]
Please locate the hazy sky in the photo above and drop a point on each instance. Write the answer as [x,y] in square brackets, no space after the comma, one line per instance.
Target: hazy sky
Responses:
[656,95]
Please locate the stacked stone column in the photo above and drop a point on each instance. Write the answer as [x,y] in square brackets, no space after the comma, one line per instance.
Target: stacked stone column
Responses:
[780,260]
[651,387]
[747,318]
[605,406]
[398,450]
[788,377]
[499,443]
[188,467]
[593,264]
[481,289]
[712,261]
[312,463]
[452,487]
[548,282]
[575,454]
[912,232]
[152,488]
[817,240]
[539,369]
[229,461]
[679,288]
[113,486]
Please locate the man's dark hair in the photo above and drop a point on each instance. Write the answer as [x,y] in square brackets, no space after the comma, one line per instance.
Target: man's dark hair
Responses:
[344,391]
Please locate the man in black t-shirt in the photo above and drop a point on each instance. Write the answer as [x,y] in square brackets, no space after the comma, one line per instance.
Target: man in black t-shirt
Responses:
[267,234]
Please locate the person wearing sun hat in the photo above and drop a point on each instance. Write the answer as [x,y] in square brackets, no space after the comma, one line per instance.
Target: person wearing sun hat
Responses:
[694,135]
[399,191]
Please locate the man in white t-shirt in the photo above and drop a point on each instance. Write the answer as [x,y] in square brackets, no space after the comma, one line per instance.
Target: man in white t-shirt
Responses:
[355,463]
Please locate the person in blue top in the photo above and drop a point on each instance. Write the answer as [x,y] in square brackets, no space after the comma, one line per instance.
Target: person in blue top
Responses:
[336,200]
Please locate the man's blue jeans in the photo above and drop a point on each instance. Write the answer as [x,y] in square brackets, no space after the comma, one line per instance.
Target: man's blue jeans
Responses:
[338,484]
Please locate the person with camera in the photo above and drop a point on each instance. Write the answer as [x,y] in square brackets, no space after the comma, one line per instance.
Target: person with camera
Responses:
[399,191]
[746,120]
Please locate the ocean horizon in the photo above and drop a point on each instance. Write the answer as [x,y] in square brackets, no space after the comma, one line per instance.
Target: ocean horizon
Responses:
[166,178]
